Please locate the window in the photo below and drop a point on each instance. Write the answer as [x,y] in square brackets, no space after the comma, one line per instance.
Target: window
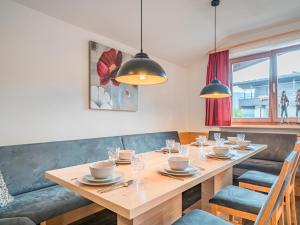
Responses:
[266,86]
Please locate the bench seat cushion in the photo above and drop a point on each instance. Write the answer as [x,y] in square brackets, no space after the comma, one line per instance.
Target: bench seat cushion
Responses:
[258,178]
[199,217]
[266,166]
[43,204]
[16,221]
[240,199]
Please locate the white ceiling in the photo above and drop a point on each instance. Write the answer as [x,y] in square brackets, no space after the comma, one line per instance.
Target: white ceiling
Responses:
[175,30]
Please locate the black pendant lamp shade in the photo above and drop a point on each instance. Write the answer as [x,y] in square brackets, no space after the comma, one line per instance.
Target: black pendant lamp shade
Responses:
[141,70]
[215,89]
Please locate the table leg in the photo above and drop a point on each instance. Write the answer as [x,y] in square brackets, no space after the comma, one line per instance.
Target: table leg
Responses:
[163,214]
[211,186]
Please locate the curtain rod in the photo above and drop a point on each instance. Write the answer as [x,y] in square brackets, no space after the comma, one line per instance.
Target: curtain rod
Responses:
[285,34]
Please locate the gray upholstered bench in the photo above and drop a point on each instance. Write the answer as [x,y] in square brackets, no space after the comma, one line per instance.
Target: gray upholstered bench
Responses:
[16,221]
[271,159]
[37,198]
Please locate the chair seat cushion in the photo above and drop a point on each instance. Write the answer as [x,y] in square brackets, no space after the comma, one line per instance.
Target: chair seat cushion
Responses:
[199,217]
[16,221]
[43,204]
[240,199]
[258,178]
[266,166]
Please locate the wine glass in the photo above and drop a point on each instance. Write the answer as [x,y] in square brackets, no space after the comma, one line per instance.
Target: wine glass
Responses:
[184,151]
[170,143]
[220,141]
[137,167]
[113,154]
[240,137]
[201,140]
[217,136]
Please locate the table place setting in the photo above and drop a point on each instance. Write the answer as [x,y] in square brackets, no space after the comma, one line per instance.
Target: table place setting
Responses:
[201,141]
[178,167]
[220,152]
[101,174]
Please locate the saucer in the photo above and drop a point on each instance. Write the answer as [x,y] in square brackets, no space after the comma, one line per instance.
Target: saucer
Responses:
[165,149]
[189,169]
[195,143]
[213,155]
[245,148]
[116,176]
[178,174]
[123,161]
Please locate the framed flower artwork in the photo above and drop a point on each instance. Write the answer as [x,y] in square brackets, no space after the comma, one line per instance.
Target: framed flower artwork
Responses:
[105,92]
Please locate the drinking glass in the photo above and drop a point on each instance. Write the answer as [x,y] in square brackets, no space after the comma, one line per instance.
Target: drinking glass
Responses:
[184,151]
[220,141]
[240,137]
[170,143]
[113,154]
[201,140]
[137,167]
[217,136]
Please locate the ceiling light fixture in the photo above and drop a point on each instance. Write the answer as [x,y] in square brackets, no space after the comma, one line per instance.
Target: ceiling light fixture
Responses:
[141,70]
[215,89]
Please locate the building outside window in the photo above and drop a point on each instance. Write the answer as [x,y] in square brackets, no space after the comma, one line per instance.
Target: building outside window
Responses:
[265,86]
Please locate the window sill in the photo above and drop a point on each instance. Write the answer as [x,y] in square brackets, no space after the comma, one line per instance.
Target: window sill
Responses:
[265,126]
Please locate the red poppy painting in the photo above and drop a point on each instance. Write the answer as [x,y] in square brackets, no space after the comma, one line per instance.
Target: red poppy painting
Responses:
[105,92]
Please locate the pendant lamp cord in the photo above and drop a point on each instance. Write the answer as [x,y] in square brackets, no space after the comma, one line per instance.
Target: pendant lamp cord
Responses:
[141,25]
[215,73]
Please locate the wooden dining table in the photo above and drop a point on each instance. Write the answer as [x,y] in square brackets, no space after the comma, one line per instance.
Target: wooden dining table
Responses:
[157,200]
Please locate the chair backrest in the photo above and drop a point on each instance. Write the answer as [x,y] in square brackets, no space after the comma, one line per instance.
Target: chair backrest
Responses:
[277,191]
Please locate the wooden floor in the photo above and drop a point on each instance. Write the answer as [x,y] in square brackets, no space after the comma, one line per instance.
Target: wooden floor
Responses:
[106,217]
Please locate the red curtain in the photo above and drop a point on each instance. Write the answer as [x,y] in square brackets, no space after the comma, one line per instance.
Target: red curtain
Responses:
[218,111]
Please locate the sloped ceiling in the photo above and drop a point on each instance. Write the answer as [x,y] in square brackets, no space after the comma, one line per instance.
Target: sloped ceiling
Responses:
[175,30]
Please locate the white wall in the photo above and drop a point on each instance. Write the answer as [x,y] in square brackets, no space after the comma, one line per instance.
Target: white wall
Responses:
[44,85]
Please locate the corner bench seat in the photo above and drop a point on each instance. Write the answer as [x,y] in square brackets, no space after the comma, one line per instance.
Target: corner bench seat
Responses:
[23,168]
[43,204]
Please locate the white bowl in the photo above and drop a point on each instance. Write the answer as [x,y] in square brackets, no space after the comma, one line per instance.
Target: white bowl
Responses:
[178,162]
[126,154]
[232,139]
[102,169]
[221,150]
[243,143]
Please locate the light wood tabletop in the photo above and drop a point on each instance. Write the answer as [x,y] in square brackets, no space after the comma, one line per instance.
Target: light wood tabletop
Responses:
[157,200]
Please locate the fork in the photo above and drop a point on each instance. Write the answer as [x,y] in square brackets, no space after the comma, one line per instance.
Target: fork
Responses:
[116,186]
[171,176]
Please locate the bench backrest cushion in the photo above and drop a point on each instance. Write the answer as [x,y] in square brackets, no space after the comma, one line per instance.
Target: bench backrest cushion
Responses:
[23,166]
[279,145]
[148,142]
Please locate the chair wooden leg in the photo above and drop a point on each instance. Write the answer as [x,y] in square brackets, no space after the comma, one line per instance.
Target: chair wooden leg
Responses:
[288,208]
[281,220]
[293,206]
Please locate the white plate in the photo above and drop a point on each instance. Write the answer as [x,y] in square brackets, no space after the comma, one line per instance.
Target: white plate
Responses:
[86,182]
[213,155]
[238,147]
[179,174]
[165,149]
[117,175]
[89,180]
[198,144]
[190,169]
